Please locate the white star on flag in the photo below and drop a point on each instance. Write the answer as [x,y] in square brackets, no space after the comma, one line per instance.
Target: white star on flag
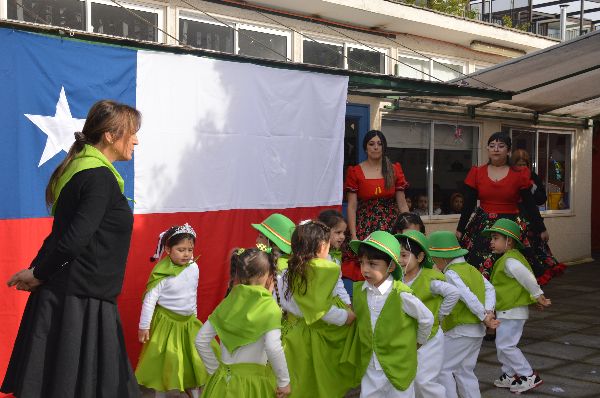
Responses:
[59,128]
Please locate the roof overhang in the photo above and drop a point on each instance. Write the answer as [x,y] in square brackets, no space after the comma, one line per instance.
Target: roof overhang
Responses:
[560,80]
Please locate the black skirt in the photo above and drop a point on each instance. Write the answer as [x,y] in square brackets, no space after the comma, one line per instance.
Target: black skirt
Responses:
[69,347]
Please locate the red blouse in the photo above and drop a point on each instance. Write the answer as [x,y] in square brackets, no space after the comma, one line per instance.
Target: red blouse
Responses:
[500,196]
[373,188]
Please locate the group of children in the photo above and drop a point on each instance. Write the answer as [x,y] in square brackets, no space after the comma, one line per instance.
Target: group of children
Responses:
[289,327]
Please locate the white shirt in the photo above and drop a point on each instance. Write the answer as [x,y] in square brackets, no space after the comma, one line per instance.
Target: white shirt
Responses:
[175,293]
[450,295]
[340,290]
[517,270]
[267,347]
[411,305]
[335,316]
[471,301]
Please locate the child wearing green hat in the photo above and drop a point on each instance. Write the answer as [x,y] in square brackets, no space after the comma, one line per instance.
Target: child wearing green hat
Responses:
[318,321]
[248,323]
[276,232]
[391,321]
[516,288]
[464,327]
[430,286]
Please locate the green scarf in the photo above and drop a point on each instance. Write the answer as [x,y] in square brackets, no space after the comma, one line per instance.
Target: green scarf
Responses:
[336,255]
[88,158]
[322,276]
[248,312]
[164,269]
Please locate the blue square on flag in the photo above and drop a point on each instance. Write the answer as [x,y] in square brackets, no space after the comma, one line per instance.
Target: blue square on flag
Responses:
[48,86]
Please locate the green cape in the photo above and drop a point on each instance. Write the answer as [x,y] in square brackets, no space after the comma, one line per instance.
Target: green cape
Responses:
[164,269]
[88,158]
[248,312]
[318,299]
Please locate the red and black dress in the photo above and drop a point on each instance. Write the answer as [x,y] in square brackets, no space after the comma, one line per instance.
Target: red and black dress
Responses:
[376,210]
[509,197]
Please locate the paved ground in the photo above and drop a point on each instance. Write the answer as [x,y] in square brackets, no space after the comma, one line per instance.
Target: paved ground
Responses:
[562,343]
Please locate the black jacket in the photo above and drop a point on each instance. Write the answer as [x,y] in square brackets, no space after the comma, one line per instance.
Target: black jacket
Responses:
[86,252]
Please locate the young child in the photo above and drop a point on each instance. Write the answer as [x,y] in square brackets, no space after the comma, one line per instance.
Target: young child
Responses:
[276,232]
[391,321]
[406,221]
[422,205]
[168,323]
[516,288]
[335,221]
[430,286]
[317,322]
[464,327]
[248,323]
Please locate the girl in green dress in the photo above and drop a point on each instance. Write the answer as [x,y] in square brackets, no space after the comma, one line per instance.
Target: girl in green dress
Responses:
[248,323]
[318,321]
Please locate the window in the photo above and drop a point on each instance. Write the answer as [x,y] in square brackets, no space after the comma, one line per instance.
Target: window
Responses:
[65,13]
[325,54]
[206,35]
[554,168]
[550,154]
[428,68]
[413,68]
[263,43]
[446,71]
[366,60]
[113,20]
[451,149]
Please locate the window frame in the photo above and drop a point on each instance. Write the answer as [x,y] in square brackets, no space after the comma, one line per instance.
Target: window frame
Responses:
[264,29]
[434,58]
[328,41]
[430,166]
[382,50]
[535,161]
[183,13]
[158,9]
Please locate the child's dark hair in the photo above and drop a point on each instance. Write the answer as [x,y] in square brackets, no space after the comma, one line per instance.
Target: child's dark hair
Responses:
[331,218]
[170,240]
[372,253]
[387,169]
[251,263]
[306,240]
[405,219]
[411,246]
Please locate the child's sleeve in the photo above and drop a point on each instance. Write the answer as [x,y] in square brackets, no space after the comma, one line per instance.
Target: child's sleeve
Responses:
[150,300]
[515,269]
[276,356]
[203,340]
[467,296]
[490,295]
[341,292]
[336,316]
[450,294]
[415,308]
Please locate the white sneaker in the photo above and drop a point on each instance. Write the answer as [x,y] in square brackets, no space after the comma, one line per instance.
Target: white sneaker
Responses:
[505,381]
[525,383]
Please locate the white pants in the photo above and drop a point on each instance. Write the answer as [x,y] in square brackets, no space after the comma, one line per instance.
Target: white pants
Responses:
[460,358]
[510,356]
[375,384]
[430,359]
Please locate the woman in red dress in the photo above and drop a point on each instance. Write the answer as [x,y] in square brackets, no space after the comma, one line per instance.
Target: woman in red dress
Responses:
[502,191]
[375,192]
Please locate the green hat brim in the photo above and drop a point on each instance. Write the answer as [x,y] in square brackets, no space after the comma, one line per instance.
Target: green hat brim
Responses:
[271,235]
[453,253]
[507,233]
[396,273]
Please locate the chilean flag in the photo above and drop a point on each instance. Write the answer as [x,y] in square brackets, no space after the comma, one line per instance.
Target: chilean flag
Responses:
[223,144]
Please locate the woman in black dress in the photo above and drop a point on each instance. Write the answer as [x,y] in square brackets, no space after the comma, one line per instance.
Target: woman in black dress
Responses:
[70,341]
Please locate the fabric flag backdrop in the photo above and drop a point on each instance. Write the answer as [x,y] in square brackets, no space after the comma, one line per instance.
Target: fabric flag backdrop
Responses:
[223,144]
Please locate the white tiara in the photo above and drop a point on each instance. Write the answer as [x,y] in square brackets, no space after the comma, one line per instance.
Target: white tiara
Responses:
[304,222]
[185,229]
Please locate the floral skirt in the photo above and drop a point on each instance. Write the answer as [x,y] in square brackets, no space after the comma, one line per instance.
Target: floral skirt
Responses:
[537,252]
[371,215]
